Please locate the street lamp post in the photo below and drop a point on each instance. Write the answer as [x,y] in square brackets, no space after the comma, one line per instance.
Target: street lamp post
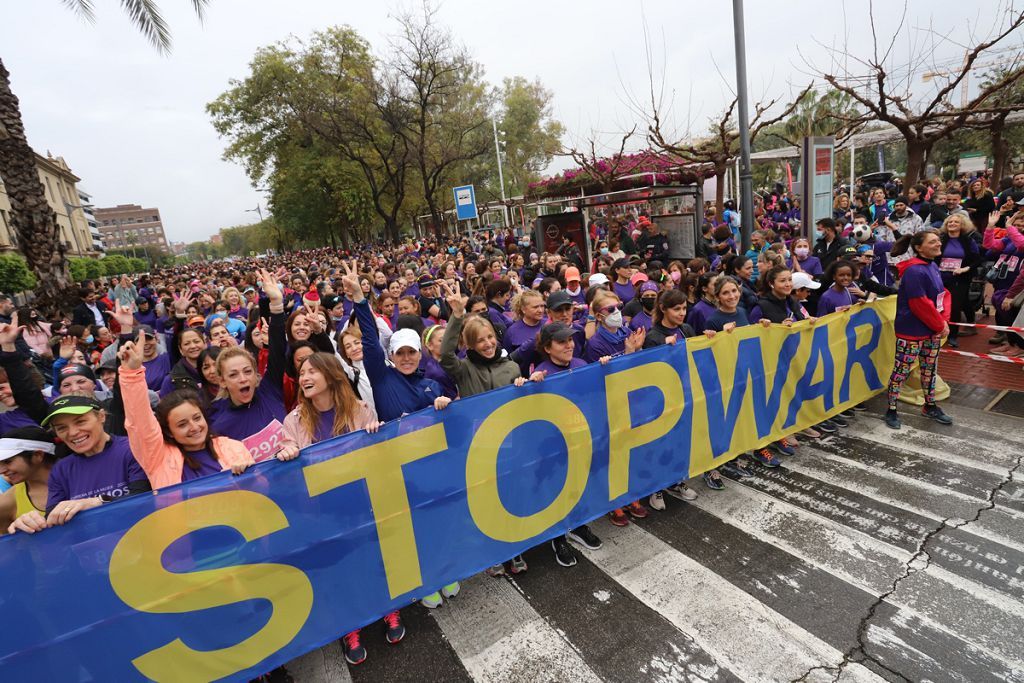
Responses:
[501,175]
[742,120]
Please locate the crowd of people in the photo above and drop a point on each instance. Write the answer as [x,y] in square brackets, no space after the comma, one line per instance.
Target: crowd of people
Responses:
[181,373]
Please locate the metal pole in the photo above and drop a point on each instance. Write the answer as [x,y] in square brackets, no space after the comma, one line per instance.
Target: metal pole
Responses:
[501,175]
[853,156]
[742,121]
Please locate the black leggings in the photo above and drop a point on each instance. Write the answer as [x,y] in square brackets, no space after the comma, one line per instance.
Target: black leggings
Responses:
[959,288]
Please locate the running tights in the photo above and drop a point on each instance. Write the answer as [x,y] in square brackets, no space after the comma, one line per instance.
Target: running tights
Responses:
[907,351]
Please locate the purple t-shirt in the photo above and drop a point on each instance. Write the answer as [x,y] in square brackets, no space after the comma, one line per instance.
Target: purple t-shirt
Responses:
[831,300]
[518,333]
[625,292]
[698,314]
[325,426]
[605,343]
[14,418]
[550,368]
[156,370]
[241,422]
[433,370]
[108,472]
[207,465]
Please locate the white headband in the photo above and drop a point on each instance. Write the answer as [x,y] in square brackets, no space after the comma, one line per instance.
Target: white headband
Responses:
[12,447]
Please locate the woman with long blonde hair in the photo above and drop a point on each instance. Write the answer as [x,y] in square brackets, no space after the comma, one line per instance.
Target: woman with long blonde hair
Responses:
[960,258]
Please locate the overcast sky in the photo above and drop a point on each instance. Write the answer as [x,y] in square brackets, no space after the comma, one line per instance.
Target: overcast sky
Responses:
[132,123]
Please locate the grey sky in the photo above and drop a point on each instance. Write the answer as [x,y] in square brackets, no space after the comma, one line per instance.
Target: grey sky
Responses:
[132,124]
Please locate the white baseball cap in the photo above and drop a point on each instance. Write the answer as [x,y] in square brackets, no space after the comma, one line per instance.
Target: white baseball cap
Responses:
[597,279]
[801,279]
[403,338]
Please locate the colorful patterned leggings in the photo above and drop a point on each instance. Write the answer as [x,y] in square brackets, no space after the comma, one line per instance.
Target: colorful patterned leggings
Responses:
[907,351]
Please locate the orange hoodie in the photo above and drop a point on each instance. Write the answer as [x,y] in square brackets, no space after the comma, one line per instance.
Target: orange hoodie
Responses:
[163,461]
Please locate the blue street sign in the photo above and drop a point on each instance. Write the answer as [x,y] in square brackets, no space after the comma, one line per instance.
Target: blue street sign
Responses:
[465,202]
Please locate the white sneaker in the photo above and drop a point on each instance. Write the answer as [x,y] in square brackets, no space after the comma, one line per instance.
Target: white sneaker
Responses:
[656,501]
[681,491]
[451,590]
[432,601]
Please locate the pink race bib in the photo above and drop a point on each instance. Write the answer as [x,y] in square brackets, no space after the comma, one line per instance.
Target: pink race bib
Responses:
[265,443]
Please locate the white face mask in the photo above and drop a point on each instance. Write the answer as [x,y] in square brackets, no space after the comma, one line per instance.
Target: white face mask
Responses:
[614,320]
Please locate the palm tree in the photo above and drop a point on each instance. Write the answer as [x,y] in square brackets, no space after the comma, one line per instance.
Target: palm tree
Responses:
[34,222]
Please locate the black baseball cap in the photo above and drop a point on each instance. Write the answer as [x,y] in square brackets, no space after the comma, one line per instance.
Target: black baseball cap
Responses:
[558,299]
[555,332]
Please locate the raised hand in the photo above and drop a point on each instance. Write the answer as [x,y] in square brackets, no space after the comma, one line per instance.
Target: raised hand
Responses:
[131,353]
[67,347]
[9,333]
[123,315]
[182,303]
[271,286]
[635,341]
[350,281]
[457,304]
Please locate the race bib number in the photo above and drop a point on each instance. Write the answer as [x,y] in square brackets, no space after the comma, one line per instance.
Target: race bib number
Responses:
[940,302]
[950,264]
[265,443]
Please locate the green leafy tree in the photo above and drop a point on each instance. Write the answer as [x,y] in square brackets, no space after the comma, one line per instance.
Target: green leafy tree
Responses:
[32,219]
[116,265]
[15,275]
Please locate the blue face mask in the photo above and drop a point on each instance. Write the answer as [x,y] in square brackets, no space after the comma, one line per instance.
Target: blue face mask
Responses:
[90,339]
[604,251]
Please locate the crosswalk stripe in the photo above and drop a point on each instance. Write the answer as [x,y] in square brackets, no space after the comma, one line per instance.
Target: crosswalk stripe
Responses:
[823,606]
[958,550]
[996,525]
[598,615]
[499,637]
[755,642]
[949,447]
[950,476]
[322,665]
[950,602]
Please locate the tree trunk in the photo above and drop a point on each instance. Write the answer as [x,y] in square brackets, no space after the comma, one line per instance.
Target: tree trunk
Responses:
[917,155]
[720,173]
[34,222]
[1000,148]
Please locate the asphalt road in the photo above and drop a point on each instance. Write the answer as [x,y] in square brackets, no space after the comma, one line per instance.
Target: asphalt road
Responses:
[871,555]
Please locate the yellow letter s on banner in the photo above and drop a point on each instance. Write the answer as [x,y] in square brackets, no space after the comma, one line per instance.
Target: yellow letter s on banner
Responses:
[139,578]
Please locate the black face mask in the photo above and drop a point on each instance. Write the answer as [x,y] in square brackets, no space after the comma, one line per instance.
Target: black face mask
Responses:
[648,303]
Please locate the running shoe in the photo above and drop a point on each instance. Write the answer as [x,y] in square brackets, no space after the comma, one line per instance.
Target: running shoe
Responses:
[783,448]
[681,491]
[713,480]
[892,419]
[811,433]
[517,565]
[432,601]
[496,570]
[354,651]
[826,427]
[743,467]
[563,552]
[860,407]
[451,590]
[636,510]
[848,413]
[765,457]
[791,441]
[935,413]
[729,469]
[839,421]
[394,630]
[997,338]
[618,517]
[585,537]
[656,501]
[953,343]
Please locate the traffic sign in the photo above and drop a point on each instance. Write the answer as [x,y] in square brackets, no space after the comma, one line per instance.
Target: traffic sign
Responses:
[465,202]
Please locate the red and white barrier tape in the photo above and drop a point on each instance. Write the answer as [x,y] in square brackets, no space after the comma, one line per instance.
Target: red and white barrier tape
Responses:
[1000,328]
[986,356]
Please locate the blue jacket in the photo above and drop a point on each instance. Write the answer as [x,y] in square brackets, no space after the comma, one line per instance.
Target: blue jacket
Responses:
[394,394]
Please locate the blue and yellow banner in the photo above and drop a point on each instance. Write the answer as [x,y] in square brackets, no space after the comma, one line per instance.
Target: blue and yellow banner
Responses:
[228,577]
